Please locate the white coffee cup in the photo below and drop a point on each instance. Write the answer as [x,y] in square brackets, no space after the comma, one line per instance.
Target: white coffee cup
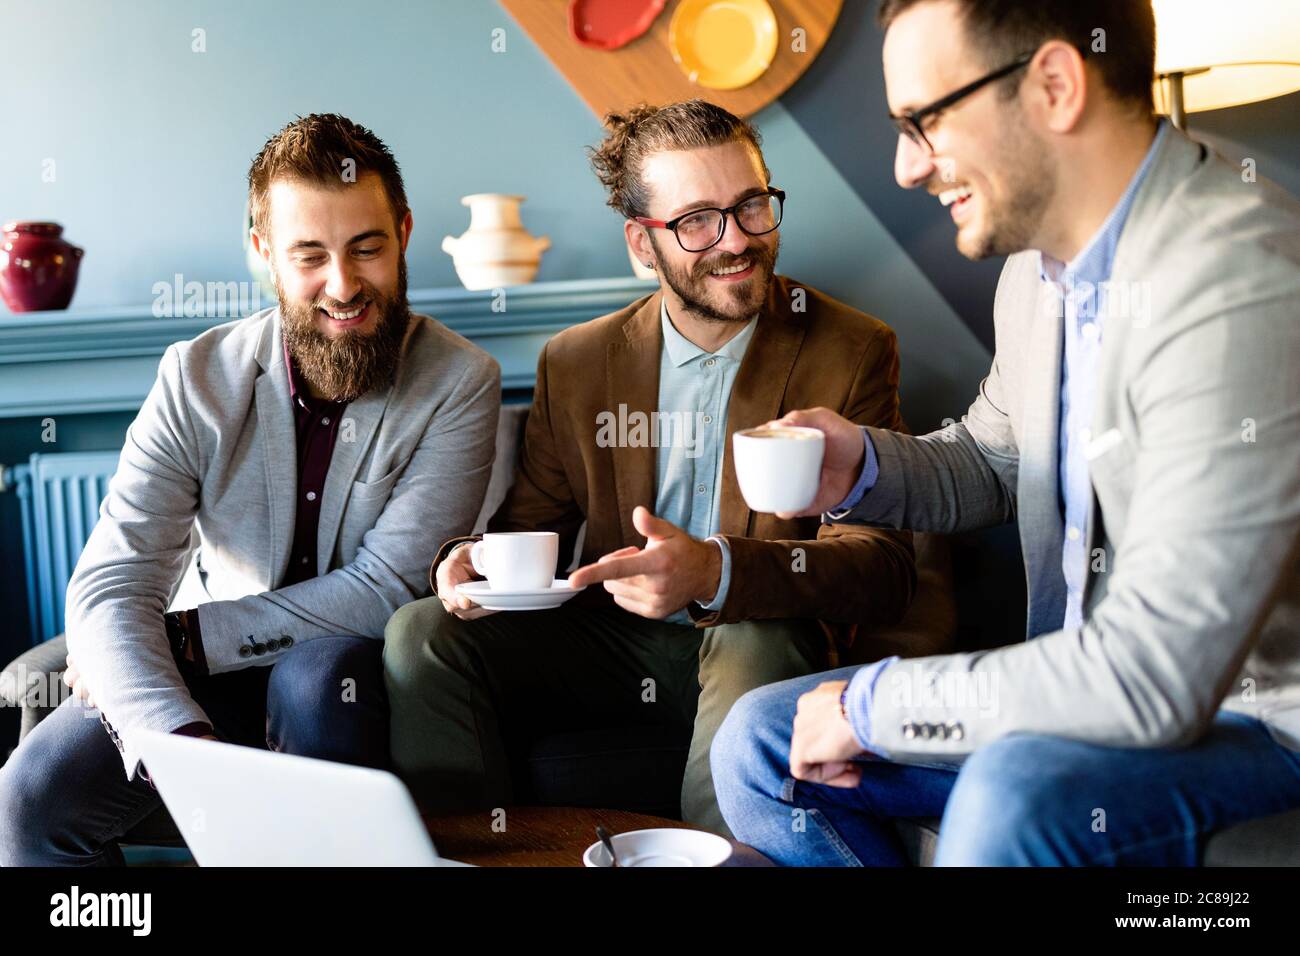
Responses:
[778,468]
[517,560]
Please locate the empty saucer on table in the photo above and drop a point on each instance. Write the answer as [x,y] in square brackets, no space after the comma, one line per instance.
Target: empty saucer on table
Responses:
[723,44]
[539,599]
[661,847]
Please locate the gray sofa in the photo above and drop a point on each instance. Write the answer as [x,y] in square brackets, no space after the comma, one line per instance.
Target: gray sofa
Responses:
[640,769]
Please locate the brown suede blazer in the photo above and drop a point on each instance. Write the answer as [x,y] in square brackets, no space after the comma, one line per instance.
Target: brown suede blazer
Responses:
[826,354]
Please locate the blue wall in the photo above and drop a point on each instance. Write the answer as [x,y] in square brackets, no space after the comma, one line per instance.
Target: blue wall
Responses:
[152,141]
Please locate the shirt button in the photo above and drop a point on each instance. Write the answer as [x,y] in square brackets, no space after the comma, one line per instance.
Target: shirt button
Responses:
[325,420]
[1090,330]
[708,419]
[1072,533]
[303,560]
[709,363]
[700,489]
[311,496]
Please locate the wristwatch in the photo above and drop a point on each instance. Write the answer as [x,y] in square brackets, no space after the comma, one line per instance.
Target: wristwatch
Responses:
[179,633]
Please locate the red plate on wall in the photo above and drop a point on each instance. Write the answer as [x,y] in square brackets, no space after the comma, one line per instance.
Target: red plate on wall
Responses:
[610,24]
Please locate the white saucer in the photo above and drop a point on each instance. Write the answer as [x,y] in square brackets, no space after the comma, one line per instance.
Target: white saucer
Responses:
[661,847]
[540,599]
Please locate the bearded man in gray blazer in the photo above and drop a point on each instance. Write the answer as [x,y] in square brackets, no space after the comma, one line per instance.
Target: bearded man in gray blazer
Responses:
[300,558]
[1142,422]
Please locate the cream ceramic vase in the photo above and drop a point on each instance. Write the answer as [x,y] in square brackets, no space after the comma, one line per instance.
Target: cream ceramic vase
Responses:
[496,250]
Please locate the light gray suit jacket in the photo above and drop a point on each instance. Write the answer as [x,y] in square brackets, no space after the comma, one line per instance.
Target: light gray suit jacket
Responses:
[1192,600]
[208,478]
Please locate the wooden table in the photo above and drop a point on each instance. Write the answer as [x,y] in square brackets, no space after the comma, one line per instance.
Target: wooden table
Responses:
[547,836]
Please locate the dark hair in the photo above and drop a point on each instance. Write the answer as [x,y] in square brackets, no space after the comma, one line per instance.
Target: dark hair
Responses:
[1003,29]
[643,130]
[315,149]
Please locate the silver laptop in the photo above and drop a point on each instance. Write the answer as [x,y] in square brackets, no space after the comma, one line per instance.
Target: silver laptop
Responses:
[241,806]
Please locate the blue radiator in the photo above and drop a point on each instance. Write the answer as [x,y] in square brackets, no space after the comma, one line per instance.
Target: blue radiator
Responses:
[59,495]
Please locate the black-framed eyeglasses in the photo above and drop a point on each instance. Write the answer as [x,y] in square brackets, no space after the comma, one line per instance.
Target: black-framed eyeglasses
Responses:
[702,229]
[909,123]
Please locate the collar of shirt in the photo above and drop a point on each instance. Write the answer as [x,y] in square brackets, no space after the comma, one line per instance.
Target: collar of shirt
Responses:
[1093,264]
[681,350]
[299,399]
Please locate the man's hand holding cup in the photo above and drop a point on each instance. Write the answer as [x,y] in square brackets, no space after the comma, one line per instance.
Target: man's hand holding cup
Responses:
[842,457]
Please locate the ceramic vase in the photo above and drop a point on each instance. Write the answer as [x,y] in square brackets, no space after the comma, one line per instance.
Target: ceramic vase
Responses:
[38,268]
[496,250]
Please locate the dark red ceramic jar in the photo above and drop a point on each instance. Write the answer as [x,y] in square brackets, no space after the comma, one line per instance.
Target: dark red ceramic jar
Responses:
[38,268]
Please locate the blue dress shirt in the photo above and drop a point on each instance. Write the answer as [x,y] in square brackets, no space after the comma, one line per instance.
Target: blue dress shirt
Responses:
[694,393]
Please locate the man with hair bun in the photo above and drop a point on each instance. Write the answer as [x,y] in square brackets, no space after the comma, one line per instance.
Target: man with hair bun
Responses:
[692,599]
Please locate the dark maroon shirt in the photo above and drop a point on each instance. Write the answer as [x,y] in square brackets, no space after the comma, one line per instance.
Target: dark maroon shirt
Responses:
[317,425]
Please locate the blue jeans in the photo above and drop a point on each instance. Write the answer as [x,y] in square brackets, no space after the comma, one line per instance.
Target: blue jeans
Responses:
[64,796]
[1022,800]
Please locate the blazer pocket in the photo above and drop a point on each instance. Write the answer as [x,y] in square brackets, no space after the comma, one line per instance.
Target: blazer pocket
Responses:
[379,488]
[1111,469]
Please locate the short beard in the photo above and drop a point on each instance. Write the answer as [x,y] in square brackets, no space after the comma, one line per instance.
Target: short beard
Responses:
[349,365]
[691,286]
[1015,227]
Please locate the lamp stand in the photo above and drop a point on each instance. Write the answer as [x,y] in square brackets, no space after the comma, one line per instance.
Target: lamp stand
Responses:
[1177,107]
[1177,101]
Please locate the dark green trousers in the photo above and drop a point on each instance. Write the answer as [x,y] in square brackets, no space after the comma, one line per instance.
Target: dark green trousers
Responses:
[465,695]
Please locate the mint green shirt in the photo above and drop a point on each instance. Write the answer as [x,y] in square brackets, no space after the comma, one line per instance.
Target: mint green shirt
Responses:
[694,392]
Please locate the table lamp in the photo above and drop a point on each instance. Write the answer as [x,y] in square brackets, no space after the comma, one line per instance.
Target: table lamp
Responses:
[1211,54]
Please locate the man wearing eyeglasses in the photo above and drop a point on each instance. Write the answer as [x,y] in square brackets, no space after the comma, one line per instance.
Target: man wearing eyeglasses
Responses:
[1141,421]
[629,432]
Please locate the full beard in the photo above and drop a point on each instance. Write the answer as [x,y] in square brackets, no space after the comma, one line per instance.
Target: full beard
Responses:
[1014,227]
[743,299]
[348,365]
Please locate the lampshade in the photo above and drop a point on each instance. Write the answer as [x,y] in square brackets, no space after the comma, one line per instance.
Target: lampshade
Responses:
[1231,51]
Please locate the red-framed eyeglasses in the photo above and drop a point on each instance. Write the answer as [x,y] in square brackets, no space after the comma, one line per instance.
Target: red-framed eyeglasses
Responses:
[702,229]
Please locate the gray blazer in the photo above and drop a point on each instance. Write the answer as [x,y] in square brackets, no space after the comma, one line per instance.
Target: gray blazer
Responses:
[1193,592]
[208,477]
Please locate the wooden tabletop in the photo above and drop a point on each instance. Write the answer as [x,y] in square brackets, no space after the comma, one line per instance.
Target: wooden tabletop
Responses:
[546,836]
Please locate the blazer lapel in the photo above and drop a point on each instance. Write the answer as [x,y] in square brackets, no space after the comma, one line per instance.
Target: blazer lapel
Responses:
[359,423]
[757,393]
[632,387]
[1038,486]
[279,448]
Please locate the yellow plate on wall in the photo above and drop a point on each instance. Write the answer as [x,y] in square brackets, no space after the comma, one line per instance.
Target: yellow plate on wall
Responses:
[723,44]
